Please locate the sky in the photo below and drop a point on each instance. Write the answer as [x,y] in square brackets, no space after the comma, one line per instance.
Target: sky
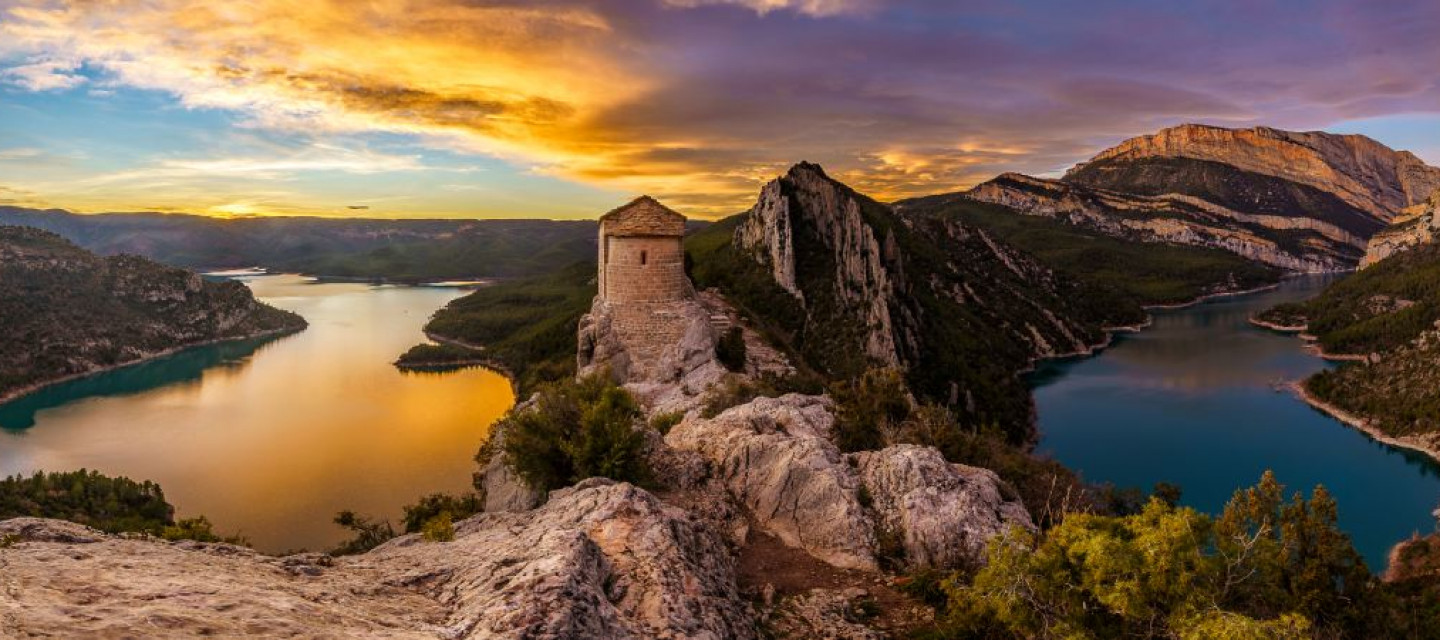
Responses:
[477,108]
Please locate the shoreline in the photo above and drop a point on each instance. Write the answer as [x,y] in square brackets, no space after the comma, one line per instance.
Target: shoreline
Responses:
[1361,424]
[458,282]
[1110,331]
[21,392]
[1312,343]
[488,363]
[1315,349]
[1278,328]
[1210,296]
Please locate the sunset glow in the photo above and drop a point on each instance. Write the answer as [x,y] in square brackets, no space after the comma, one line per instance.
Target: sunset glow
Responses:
[451,108]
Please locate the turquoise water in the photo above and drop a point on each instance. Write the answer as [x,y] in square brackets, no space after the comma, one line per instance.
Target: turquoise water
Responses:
[269,438]
[1192,401]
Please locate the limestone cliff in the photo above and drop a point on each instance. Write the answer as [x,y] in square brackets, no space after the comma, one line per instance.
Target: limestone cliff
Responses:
[1416,226]
[1364,173]
[1299,201]
[1292,243]
[830,216]
[872,287]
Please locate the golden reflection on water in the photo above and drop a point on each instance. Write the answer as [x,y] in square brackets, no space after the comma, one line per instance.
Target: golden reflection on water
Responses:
[308,425]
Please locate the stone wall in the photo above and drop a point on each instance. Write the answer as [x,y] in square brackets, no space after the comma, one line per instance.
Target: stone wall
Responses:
[643,269]
[647,329]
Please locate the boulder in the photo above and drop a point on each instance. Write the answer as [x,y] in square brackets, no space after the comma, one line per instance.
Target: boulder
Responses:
[775,458]
[502,489]
[945,513]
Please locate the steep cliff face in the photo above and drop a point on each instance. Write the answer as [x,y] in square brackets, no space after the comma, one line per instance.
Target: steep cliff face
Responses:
[840,247]
[959,311]
[67,311]
[1416,226]
[1294,243]
[1360,171]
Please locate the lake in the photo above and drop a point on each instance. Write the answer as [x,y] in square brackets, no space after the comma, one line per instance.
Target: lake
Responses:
[270,438]
[1192,400]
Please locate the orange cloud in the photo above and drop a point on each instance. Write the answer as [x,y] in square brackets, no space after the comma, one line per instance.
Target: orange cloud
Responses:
[545,88]
[698,101]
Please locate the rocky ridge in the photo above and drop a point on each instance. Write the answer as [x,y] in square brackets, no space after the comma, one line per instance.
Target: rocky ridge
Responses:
[69,312]
[1415,226]
[877,287]
[1361,171]
[806,197]
[1305,201]
[598,560]
[776,457]
[1178,219]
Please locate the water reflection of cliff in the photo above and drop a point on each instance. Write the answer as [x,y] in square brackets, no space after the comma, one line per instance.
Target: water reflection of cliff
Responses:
[176,372]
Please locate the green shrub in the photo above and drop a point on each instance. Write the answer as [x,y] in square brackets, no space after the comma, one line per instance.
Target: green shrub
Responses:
[439,504]
[730,349]
[368,533]
[113,505]
[198,529]
[577,429]
[664,422]
[870,410]
[110,504]
[1266,568]
[438,529]
[733,391]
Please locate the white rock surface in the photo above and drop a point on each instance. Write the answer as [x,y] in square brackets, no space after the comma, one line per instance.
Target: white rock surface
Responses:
[775,457]
[946,513]
[502,489]
[599,560]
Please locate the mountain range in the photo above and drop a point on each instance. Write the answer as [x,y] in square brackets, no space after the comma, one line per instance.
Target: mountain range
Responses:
[1299,201]
[395,250]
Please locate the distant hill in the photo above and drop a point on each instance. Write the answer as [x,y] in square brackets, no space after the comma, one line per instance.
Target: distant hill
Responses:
[1127,274]
[1305,201]
[339,247]
[66,311]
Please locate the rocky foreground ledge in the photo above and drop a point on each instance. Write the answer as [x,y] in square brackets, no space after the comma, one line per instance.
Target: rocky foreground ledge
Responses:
[600,559]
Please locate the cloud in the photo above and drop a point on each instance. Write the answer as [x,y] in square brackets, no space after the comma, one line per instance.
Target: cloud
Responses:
[14,197]
[278,165]
[819,8]
[44,74]
[20,154]
[698,103]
